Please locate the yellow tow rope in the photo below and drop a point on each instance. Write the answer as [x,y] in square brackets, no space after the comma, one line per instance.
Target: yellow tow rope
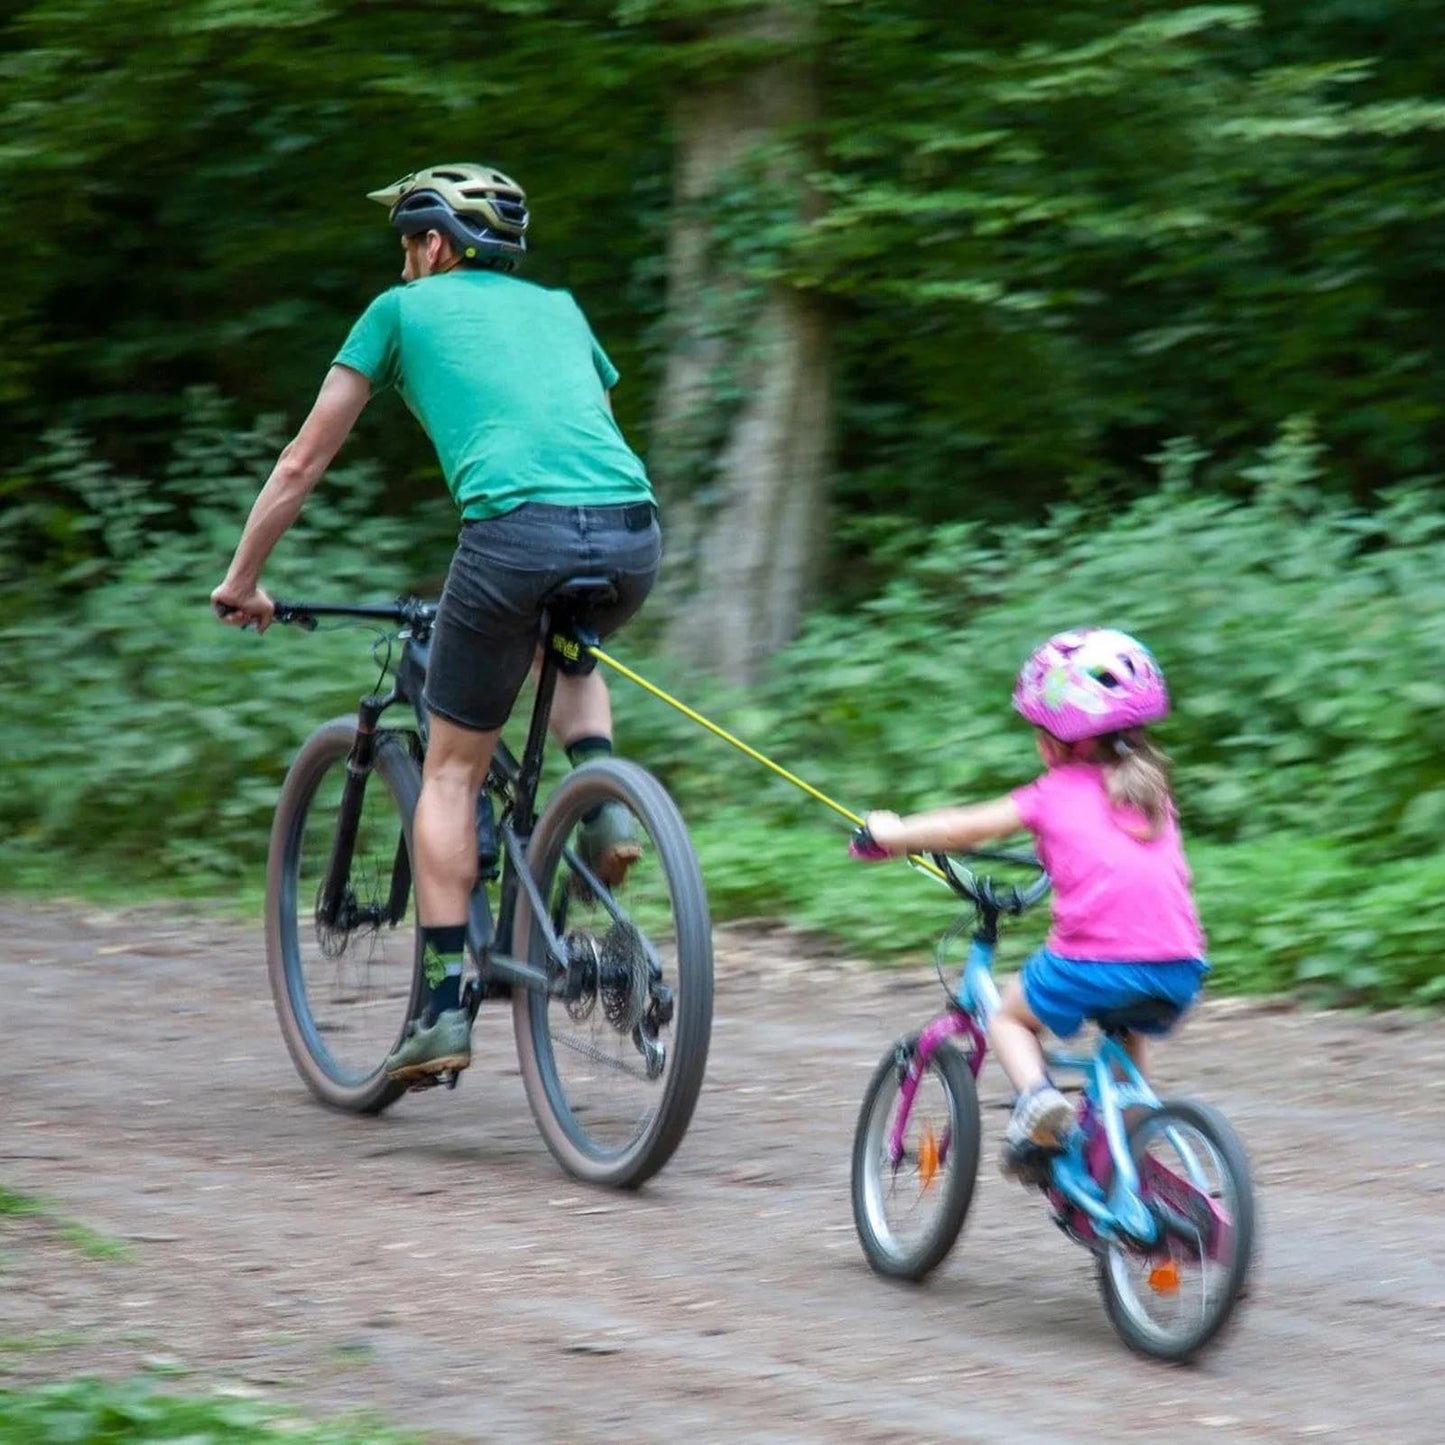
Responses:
[925,864]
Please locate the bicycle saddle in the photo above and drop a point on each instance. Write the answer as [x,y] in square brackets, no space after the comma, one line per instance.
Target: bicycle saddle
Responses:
[579,592]
[1144,1014]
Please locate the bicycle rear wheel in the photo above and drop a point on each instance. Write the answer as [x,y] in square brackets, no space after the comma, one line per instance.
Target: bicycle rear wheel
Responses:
[1171,1301]
[908,1211]
[613,1070]
[344,991]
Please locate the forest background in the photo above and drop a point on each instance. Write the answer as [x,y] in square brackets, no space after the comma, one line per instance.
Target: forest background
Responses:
[941,327]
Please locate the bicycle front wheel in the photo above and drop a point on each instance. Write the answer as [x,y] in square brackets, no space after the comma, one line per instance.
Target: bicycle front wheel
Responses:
[909,1209]
[613,1066]
[1171,1301]
[344,985]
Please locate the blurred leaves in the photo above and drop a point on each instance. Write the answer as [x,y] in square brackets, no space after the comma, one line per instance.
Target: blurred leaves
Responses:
[1303,637]
[89,1410]
[1053,236]
[1136,315]
[1304,641]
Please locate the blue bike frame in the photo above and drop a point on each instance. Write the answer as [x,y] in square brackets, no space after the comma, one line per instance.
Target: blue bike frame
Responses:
[1112,1084]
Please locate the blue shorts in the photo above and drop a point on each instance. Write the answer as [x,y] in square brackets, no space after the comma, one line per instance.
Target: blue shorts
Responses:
[1063,992]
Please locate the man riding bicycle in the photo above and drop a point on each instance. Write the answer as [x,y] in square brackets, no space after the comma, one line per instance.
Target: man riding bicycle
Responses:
[513,390]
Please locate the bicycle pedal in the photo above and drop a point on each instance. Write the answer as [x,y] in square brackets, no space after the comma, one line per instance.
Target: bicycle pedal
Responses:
[1028,1163]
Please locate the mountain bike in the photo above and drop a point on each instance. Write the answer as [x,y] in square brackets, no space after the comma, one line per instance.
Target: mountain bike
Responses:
[611,989]
[1159,1191]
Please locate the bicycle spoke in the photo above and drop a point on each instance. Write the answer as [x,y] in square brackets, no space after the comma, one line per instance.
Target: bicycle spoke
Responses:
[614,1059]
[342,934]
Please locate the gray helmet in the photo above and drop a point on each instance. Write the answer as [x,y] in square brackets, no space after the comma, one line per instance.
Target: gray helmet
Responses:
[479,210]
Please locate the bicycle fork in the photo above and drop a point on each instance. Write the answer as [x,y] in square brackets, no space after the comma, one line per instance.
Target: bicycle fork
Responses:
[335,907]
[912,1058]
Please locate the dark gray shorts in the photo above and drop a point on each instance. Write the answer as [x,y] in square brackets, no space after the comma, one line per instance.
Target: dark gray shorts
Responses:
[486,630]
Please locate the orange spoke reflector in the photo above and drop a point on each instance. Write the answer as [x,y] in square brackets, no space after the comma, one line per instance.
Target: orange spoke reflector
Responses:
[1164,1278]
[927,1157]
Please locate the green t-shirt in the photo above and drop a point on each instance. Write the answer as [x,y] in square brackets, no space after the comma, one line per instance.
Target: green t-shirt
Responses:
[509,383]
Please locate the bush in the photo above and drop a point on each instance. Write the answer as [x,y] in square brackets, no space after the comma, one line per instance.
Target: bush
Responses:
[147,741]
[1304,641]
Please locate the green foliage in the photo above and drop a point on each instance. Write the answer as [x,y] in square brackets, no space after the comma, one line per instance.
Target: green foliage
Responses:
[191,181]
[1065,237]
[16,1204]
[1048,240]
[1304,645]
[144,730]
[1288,914]
[90,1412]
[1304,640]
[1049,236]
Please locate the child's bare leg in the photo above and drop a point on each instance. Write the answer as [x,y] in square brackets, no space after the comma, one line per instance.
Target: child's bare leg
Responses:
[1013,1034]
[1138,1056]
[1138,1053]
[1041,1114]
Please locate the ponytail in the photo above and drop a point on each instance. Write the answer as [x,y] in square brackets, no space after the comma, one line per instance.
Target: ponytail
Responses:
[1136,776]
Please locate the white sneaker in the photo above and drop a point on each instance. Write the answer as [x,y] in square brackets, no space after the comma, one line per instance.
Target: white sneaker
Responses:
[1041,1117]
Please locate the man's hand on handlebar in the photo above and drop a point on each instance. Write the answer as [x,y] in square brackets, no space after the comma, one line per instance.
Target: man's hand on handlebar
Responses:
[243,607]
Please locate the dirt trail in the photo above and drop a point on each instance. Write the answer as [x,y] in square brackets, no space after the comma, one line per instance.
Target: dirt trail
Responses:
[435,1266]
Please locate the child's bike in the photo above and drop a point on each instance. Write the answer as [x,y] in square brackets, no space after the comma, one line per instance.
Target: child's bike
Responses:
[1158,1191]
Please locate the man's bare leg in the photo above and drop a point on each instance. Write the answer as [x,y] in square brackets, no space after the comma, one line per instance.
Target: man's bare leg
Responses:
[444,845]
[582,723]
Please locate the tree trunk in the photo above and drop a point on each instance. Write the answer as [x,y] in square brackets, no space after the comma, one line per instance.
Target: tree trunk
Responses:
[740,442]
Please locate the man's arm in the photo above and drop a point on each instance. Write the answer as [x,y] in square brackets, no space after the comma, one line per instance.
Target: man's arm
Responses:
[343,397]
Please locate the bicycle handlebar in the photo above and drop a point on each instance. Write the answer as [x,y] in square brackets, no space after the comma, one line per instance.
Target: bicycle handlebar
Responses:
[979,890]
[409,611]
[983,892]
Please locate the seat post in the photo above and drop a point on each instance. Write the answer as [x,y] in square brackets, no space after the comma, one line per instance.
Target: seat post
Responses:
[562,651]
[524,812]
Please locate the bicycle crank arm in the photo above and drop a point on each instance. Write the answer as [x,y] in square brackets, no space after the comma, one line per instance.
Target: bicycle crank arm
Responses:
[502,967]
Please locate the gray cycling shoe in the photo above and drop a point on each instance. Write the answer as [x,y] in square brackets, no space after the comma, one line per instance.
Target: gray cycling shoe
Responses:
[609,844]
[440,1047]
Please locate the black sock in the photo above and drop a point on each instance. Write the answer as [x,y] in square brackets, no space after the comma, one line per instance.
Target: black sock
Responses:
[583,750]
[442,952]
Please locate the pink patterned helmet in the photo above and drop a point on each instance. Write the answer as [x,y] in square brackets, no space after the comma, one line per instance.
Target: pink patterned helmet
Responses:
[1091,681]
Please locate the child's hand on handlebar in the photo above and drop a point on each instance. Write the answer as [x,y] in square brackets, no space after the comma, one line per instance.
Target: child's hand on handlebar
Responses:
[878,838]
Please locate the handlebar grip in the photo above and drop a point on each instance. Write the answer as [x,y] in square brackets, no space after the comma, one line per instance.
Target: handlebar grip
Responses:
[862,847]
[227,613]
[288,614]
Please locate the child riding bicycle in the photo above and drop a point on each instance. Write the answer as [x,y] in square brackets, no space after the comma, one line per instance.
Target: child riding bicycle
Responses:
[1124,923]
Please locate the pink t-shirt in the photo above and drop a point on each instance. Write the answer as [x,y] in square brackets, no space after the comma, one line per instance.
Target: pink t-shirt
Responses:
[1117,898]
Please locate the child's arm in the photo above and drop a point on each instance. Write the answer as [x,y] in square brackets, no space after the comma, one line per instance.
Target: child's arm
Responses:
[945,830]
